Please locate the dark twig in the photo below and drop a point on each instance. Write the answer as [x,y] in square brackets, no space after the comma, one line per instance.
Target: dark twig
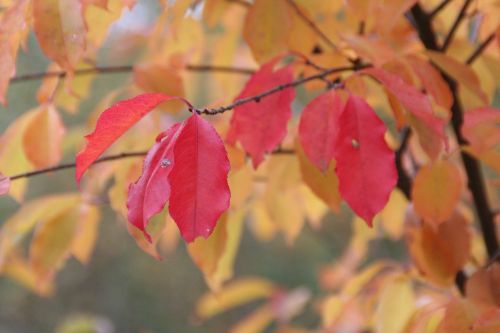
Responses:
[126,69]
[480,49]
[64,166]
[456,24]
[438,8]
[404,182]
[258,97]
[72,165]
[312,24]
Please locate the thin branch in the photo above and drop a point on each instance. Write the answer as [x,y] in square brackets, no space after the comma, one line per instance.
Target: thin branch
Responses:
[258,97]
[480,49]
[438,8]
[311,24]
[65,166]
[404,182]
[73,165]
[128,68]
[471,165]
[455,25]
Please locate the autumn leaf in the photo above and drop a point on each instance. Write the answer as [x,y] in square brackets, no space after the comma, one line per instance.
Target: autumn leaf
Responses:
[247,123]
[150,193]
[429,127]
[436,191]
[461,72]
[13,32]
[199,188]
[60,29]
[480,129]
[319,126]
[439,252]
[266,33]
[113,123]
[365,164]
[43,137]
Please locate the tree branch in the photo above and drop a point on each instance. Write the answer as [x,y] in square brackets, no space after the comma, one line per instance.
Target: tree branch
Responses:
[298,82]
[472,168]
[455,25]
[65,166]
[72,165]
[404,182]
[480,49]
[126,69]
[438,8]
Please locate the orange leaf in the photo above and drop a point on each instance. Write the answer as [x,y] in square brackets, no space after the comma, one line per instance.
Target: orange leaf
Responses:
[60,29]
[439,253]
[436,191]
[43,137]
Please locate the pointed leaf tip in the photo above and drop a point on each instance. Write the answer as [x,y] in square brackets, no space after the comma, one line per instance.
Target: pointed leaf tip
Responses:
[365,164]
[113,123]
[198,180]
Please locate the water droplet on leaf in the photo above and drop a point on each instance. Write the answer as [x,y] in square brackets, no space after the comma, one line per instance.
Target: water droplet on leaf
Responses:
[165,163]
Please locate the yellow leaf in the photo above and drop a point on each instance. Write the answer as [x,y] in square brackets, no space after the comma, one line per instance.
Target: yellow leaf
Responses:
[43,137]
[265,32]
[60,30]
[12,157]
[483,286]
[52,242]
[15,229]
[324,185]
[436,191]
[393,214]
[395,306]
[99,19]
[262,225]
[19,270]
[256,321]
[232,295]
[86,234]
[69,95]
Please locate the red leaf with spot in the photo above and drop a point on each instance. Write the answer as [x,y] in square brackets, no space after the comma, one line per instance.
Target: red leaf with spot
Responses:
[199,188]
[113,123]
[260,126]
[365,164]
[429,127]
[318,128]
[150,193]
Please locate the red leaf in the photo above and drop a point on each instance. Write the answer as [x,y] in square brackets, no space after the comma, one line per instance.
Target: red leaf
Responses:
[149,194]
[199,189]
[415,102]
[260,126]
[318,128]
[4,184]
[365,164]
[113,123]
